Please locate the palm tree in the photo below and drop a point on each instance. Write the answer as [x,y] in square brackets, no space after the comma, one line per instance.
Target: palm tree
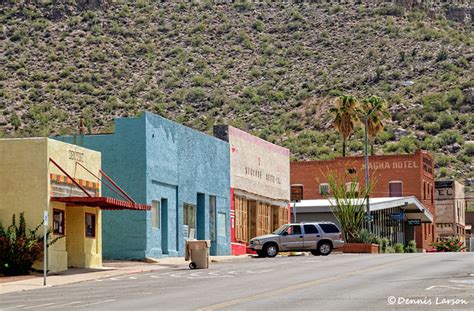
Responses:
[375,108]
[345,112]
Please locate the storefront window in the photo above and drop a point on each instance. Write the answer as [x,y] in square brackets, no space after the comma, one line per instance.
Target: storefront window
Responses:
[155,213]
[221,224]
[212,217]
[189,220]
[58,221]
[90,225]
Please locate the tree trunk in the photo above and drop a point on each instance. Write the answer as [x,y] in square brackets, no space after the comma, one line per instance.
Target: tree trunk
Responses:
[343,147]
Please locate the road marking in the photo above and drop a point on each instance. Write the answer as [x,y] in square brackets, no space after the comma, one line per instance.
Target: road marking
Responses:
[195,274]
[442,286]
[66,304]
[37,306]
[154,276]
[176,275]
[303,285]
[463,281]
[94,303]
[14,307]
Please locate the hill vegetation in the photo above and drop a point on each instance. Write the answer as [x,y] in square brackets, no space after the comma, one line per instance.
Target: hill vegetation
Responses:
[272,69]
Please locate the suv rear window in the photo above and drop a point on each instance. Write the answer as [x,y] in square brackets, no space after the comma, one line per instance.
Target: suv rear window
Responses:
[329,228]
[310,229]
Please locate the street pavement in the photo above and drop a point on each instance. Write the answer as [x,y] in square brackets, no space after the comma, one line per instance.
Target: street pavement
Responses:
[429,281]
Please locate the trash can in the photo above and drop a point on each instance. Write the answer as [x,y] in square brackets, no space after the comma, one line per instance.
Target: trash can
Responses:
[197,251]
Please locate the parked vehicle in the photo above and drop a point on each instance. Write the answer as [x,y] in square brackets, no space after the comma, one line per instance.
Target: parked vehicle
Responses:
[319,238]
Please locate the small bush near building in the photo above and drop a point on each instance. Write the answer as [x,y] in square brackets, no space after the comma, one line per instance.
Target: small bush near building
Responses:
[411,247]
[448,245]
[383,245]
[366,237]
[389,250]
[19,248]
[398,247]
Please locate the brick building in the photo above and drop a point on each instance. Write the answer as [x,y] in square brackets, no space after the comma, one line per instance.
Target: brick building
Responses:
[407,175]
[450,204]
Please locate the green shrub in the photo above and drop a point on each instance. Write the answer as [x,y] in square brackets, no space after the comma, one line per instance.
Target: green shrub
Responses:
[383,244]
[258,25]
[469,149]
[391,9]
[411,247]
[432,127]
[398,247]
[445,121]
[435,102]
[19,247]
[365,236]
[450,137]
[389,250]
[455,97]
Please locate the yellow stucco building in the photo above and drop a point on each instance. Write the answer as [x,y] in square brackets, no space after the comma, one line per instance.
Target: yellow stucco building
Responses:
[33,179]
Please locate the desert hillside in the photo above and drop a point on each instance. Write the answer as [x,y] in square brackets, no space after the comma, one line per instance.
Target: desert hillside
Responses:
[272,69]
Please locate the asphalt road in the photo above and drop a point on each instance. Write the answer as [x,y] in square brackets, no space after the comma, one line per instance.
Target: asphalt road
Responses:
[337,282]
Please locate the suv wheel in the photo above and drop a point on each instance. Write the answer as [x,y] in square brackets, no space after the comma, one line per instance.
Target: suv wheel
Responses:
[325,248]
[315,252]
[270,250]
[261,253]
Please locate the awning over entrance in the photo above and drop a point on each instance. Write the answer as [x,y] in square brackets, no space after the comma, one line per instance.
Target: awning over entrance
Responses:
[104,203]
[412,208]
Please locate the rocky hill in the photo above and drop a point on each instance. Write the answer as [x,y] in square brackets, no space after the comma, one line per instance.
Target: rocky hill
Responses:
[269,68]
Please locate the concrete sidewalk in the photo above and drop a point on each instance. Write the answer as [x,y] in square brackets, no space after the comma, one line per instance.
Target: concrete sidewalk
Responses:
[109,269]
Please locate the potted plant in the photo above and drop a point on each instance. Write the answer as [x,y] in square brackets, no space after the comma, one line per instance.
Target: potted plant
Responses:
[348,205]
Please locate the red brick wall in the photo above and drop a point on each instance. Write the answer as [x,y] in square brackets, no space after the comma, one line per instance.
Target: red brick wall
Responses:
[415,171]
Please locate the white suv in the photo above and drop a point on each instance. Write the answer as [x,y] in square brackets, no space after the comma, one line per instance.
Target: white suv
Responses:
[319,238]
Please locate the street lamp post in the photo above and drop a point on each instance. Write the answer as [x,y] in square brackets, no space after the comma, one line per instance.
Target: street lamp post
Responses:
[368,216]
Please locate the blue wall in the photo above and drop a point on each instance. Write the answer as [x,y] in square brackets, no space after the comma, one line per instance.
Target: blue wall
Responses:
[154,159]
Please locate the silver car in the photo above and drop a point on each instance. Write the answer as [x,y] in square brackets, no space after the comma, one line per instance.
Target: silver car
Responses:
[319,238]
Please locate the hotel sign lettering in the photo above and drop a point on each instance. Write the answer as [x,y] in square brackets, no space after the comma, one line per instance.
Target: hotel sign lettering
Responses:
[76,156]
[258,173]
[392,165]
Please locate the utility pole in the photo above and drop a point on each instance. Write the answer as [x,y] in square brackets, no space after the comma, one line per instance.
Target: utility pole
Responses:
[45,245]
[368,215]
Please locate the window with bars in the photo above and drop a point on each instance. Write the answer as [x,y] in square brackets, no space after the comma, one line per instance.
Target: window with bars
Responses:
[324,189]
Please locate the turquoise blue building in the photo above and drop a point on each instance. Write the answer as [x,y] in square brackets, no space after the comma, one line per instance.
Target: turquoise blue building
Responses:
[182,173]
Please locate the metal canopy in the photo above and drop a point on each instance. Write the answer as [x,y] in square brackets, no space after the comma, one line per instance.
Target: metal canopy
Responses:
[411,206]
[104,203]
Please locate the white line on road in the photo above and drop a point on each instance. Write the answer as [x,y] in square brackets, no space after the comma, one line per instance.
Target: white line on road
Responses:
[154,276]
[65,304]
[37,306]
[443,286]
[14,307]
[94,303]
[196,274]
